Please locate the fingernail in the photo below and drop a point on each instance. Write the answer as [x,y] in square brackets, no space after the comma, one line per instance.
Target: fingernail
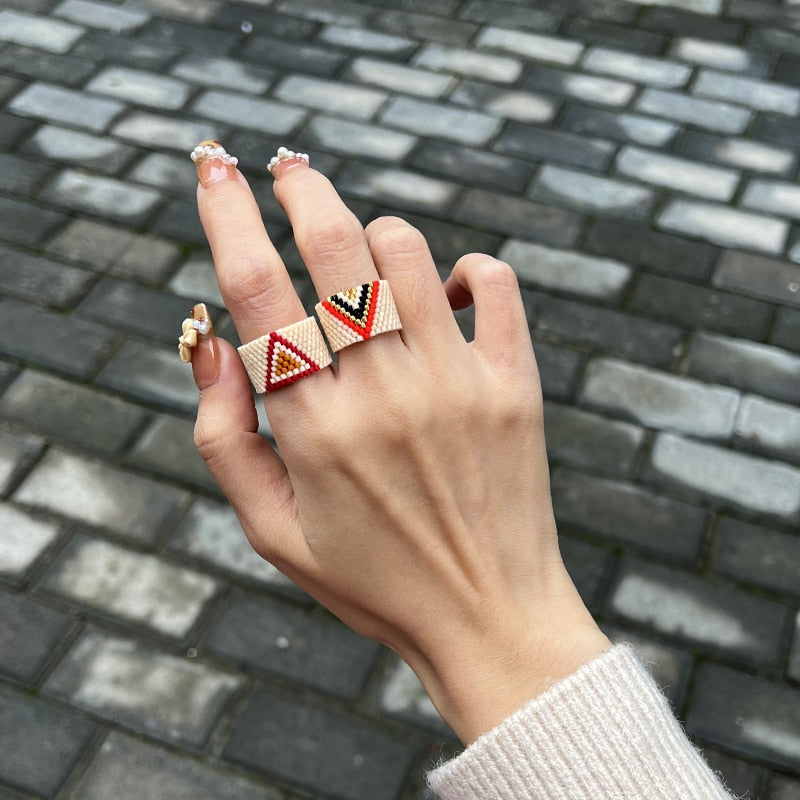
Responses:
[198,345]
[213,162]
[285,160]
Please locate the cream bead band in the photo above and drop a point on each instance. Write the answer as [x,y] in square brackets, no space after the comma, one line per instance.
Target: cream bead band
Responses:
[285,355]
[356,314]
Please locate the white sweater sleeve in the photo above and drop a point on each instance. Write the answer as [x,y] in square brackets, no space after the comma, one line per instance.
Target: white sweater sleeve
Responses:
[604,733]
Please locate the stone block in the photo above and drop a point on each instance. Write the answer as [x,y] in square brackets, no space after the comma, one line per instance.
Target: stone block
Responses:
[358,139]
[101,45]
[72,414]
[783,788]
[364,40]
[195,279]
[425,118]
[135,587]
[700,112]
[57,104]
[711,615]
[659,399]
[725,226]
[619,36]
[757,94]
[558,369]
[531,46]
[677,174]
[468,63]
[760,368]
[41,65]
[769,428]
[97,494]
[152,130]
[40,742]
[286,56]
[776,197]
[786,332]
[428,26]
[619,126]
[140,88]
[170,698]
[622,512]
[747,715]
[734,151]
[37,31]
[222,72]
[728,478]
[98,153]
[587,565]
[267,116]
[592,193]
[26,223]
[697,307]
[566,270]
[345,13]
[29,635]
[330,96]
[317,750]
[191,35]
[300,645]
[403,696]
[527,107]
[757,555]
[24,540]
[775,129]
[94,244]
[130,769]
[637,68]
[101,15]
[539,144]
[399,77]
[594,89]
[709,53]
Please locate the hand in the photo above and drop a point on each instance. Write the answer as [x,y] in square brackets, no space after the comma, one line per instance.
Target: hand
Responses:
[411,496]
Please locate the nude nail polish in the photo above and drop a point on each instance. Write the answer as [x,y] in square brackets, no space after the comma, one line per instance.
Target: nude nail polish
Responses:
[213,162]
[285,160]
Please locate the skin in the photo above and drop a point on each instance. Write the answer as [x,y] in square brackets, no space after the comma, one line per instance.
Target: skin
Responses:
[411,496]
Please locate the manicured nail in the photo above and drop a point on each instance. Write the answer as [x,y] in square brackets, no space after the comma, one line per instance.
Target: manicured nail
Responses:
[198,344]
[213,162]
[285,160]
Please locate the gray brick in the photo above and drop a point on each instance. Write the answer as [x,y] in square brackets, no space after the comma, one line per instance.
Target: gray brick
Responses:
[512,16]
[733,480]
[36,31]
[69,413]
[99,153]
[546,145]
[396,188]
[399,77]
[211,533]
[130,769]
[443,122]
[659,399]
[40,743]
[725,226]
[708,614]
[330,96]
[317,750]
[151,130]
[757,94]
[20,175]
[593,89]
[135,587]
[743,154]
[56,104]
[13,127]
[708,114]
[429,27]
[40,280]
[361,39]
[565,270]
[469,63]
[197,278]
[602,330]
[167,697]
[654,250]
[678,174]
[91,243]
[24,540]
[623,512]
[165,171]
[223,72]
[770,428]
[26,223]
[532,46]
[619,36]
[146,258]
[695,6]
[756,555]
[794,657]
[348,137]
[403,696]
[17,451]
[150,374]
[746,715]
[587,565]
[558,369]
[262,115]
[507,103]
[286,56]
[760,368]
[776,197]
[782,788]
[640,69]
[63,344]
[100,195]
[675,21]
[709,53]
[697,307]
[29,635]
[345,13]
[588,441]
[776,129]
[96,494]
[514,216]
[592,193]
[140,87]
[101,15]
[619,126]
[101,46]
[786,332]
[279,638]
[41,65]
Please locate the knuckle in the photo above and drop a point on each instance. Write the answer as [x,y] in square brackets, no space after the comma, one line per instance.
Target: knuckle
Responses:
[333,238]
[392,236]
[254,289]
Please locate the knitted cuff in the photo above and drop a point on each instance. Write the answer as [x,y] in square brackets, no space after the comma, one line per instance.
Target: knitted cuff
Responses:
[605,732]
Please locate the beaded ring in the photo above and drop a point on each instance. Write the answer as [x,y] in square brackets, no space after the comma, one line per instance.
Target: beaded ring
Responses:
[357,314]
[285,355]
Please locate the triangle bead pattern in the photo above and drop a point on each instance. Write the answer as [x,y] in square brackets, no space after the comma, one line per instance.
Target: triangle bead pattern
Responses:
[285,355]
[356,314]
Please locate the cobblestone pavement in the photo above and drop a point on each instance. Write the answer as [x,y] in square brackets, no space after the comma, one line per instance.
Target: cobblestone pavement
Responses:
[635,161]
